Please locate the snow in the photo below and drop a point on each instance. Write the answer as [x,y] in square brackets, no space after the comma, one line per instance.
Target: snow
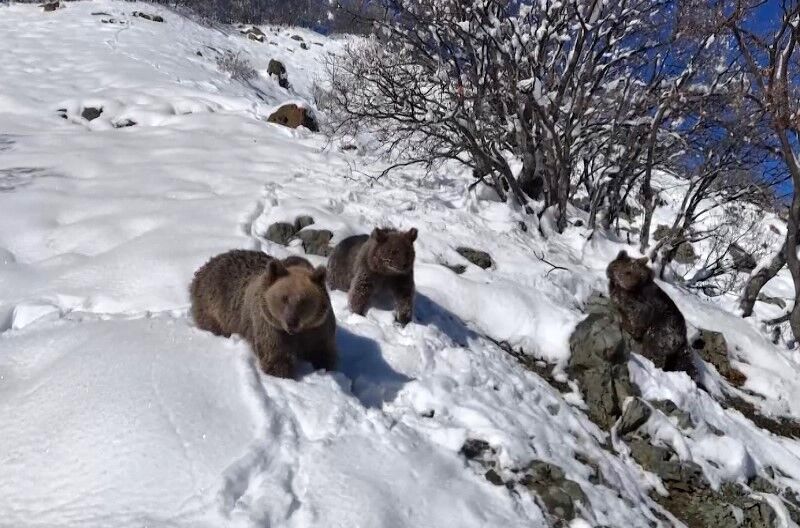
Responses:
[118,411]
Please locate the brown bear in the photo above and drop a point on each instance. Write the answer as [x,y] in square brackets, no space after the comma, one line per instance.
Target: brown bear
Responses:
[369,265]
[281,307]
[648,315]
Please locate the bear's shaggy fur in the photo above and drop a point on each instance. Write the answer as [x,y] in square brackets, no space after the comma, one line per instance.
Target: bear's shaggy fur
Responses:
[365,266]
[281,307]
[648,314]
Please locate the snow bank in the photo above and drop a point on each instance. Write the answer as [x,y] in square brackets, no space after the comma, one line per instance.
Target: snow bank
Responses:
[117,411]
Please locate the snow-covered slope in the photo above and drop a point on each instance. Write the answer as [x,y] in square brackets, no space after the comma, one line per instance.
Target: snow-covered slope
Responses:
[117,411]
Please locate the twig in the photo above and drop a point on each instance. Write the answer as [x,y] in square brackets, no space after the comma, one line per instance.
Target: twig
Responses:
[553,267]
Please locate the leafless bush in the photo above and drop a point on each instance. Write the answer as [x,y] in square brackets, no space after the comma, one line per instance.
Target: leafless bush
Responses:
[238,67]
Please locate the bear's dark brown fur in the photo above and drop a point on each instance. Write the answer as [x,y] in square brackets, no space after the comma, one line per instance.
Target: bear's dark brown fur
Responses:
[365,266]
[281,307]
[648,314]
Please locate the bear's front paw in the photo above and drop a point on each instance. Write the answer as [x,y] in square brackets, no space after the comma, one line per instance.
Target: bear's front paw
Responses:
[403,318]
[279,368]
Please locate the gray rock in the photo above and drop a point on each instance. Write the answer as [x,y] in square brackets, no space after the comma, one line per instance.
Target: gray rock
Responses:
[669,408]
[663,462]
[303,45]
[297,38]
[493,477]
[597,341]
[742,260]
[90,114]
[280,233]
[712,347]
[124,123]
[254,33]
[303,221]
[480,258]
[316,241]
[635,415]
[604,390]
[599,353]
[147,16]
[458,269]
[558,494]
[474,448]
[598,303]
[50,6]
[692,500]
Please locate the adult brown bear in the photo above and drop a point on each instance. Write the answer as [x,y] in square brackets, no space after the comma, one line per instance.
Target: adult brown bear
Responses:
[281,307]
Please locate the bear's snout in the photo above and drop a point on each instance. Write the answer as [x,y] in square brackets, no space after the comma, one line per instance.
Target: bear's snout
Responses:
[291,321]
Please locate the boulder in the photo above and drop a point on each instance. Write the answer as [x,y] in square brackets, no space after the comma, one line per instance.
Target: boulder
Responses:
[713,348]
[297,38]
[677,474]
[50,6]
[458,269]
[692,500]
[316,241]
[124,123]
[558,494]
[635,415]
[598,361]
[147,16]
[303,221]
[280,233]
[669,408]
[742,260]
[90,113]
[597,342]
[475,448]
[293,116]
[254,33]
[480,258]
[494,477]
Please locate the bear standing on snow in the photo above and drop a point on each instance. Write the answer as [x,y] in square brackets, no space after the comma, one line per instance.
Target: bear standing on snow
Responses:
[281,307]
[648,314]
[365,266]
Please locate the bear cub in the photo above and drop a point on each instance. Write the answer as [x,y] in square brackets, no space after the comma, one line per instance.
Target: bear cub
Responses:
[370,265]
[648,314]
[281,307]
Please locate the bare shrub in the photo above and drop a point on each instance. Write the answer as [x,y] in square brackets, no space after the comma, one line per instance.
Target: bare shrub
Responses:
[238,67]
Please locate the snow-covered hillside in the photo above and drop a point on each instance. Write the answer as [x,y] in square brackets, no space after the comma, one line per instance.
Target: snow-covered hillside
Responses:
[117,411]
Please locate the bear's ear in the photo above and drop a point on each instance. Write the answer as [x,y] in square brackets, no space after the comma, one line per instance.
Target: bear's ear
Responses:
[275,270]
[622,255]
[642,261]
[379,234]
[318,275]
[412,234]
